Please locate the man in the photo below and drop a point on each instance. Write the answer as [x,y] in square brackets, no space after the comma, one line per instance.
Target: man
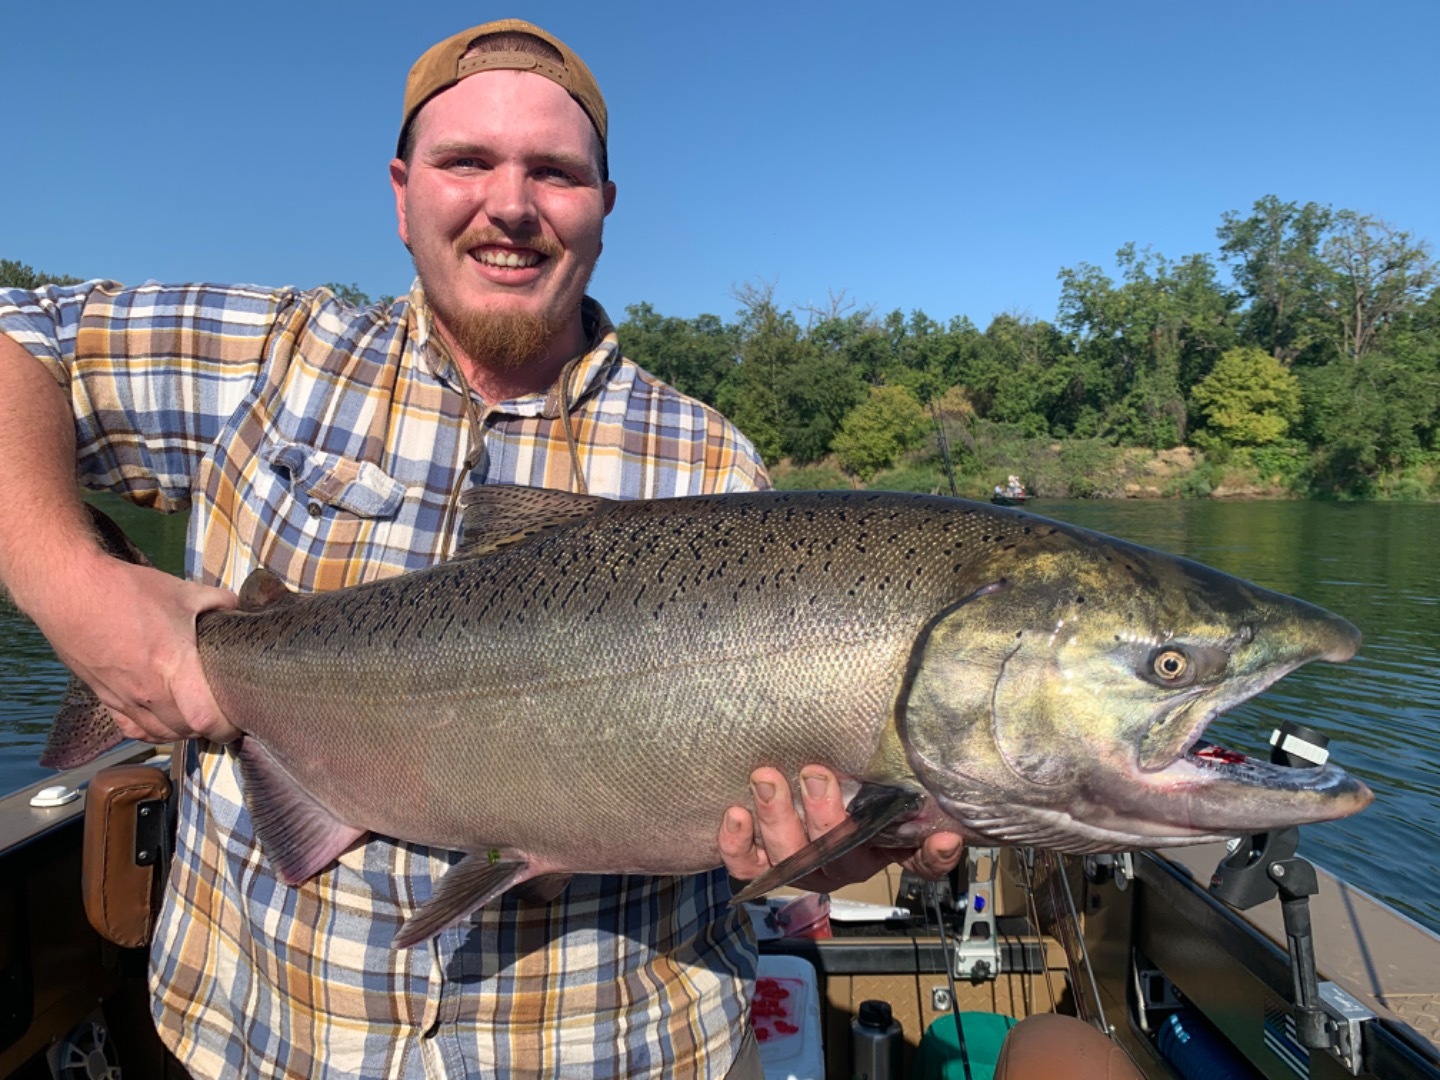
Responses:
[331,446]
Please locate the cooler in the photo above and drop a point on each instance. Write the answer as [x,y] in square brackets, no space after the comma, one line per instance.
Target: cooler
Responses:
[785,1013]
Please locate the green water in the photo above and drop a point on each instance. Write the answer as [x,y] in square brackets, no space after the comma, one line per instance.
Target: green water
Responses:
[1376,564]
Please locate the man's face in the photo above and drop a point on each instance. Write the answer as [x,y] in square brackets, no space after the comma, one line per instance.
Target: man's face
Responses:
[502,207]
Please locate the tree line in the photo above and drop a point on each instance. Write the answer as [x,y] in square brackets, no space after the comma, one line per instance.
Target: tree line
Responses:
[1317,355]
[1307,347]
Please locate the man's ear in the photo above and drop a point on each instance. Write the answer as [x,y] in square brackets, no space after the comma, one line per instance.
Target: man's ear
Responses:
[608,189]
[399,173]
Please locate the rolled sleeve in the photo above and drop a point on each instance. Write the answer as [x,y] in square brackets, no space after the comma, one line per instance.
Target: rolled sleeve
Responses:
[153,373]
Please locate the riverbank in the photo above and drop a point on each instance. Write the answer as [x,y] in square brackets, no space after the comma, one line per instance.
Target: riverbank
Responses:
[1088,469]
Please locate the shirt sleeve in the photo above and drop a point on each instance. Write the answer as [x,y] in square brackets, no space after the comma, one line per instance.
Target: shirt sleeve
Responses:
[742,468]
[153,373]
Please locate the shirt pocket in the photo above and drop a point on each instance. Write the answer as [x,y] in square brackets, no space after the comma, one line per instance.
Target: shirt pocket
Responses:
[321,479]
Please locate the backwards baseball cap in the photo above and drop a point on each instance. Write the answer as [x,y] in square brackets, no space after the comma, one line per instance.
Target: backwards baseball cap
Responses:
[445,64]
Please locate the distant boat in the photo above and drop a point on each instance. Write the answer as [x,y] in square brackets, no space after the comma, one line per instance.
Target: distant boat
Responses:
[1011,500]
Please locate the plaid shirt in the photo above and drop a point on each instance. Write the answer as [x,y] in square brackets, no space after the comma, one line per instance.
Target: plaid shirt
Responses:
[329,445]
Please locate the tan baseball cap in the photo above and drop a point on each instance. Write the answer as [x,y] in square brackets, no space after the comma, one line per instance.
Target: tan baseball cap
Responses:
[445,64]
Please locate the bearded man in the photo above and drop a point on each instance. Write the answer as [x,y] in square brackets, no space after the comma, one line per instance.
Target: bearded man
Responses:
[331,446]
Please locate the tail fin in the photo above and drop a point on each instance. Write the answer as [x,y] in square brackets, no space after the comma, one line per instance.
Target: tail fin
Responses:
[113,539]
[84,728]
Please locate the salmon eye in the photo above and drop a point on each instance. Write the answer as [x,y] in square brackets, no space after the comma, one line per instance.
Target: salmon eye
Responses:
[1176,666]
[1170,664]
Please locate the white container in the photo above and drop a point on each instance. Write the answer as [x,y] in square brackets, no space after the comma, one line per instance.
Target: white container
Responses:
[787,996]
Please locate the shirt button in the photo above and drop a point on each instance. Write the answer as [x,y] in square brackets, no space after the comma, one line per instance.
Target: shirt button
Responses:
[313,509]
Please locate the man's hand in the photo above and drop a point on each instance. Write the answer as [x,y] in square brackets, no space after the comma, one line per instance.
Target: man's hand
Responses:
[129,633]
[782,833]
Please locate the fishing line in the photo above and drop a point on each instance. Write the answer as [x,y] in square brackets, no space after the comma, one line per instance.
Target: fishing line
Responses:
[1084,949]
[1024,858]
[1064,934]
[932,891]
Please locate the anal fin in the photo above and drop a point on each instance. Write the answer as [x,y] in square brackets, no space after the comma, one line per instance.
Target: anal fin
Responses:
[871,811]
[298,835]
[541,890]
[470,884]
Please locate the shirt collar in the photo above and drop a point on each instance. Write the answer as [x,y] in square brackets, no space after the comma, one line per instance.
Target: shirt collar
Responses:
[582,375]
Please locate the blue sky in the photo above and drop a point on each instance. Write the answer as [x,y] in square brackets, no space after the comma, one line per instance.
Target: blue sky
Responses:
[951,158]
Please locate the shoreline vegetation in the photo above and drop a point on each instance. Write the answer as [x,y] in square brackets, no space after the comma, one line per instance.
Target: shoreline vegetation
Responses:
[1300,360]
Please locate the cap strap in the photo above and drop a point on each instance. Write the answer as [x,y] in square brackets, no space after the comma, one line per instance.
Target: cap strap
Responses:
[512,61]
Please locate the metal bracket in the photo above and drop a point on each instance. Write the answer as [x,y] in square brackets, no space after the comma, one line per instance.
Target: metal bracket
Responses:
[1118,869]
[1157,991]
[1344,1017]
[152,836]
[977,950]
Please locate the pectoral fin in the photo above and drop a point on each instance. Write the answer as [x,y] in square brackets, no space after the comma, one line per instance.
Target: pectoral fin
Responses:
[298,835]
[471,883]
[871,811]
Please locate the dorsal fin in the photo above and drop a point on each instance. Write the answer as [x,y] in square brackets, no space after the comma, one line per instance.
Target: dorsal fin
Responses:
[264,589]
[501,515]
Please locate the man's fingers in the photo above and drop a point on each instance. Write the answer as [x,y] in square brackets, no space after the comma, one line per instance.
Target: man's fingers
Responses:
[197,705]
[743,857]
[782,833]
[937,856]
[142,725]
[824,804]
[212,598]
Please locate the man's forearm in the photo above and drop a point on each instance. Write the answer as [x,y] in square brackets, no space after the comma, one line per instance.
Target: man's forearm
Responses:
[43,523]
[126,631]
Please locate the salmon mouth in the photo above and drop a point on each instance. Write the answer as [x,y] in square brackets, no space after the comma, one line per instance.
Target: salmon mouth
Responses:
[1226,764]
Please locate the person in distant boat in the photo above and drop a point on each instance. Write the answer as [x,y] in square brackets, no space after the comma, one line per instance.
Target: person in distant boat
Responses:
[331,446]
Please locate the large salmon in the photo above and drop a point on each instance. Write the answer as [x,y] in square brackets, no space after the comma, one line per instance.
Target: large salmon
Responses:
[587,685]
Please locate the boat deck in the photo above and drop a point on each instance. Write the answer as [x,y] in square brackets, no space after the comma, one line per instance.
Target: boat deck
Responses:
[1384,959]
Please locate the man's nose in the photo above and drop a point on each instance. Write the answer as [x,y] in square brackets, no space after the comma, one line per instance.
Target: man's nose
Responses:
[509,200]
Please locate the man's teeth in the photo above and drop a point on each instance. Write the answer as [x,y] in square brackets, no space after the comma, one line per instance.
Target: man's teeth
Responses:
[507,258]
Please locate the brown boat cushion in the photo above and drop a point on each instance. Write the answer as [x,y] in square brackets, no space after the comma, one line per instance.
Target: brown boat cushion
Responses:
[120,897]
[1049,1046]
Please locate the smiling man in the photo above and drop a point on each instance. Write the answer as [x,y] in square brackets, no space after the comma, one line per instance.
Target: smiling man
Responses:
[502,187]
[331,446]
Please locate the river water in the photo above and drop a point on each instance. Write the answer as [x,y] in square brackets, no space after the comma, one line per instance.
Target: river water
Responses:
[1377,564]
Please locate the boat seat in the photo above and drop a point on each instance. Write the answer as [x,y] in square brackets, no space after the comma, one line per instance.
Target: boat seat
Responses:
[1048,1046]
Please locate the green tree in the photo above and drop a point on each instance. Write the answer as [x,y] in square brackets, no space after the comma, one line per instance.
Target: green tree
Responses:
[692,355]
[1141,343]
[1368,416]
[817,392]
[1274,255]
[769,345]
[789,389]
[1377,274]
[1249,398]
[18,275]
[887,423]
[353,295]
